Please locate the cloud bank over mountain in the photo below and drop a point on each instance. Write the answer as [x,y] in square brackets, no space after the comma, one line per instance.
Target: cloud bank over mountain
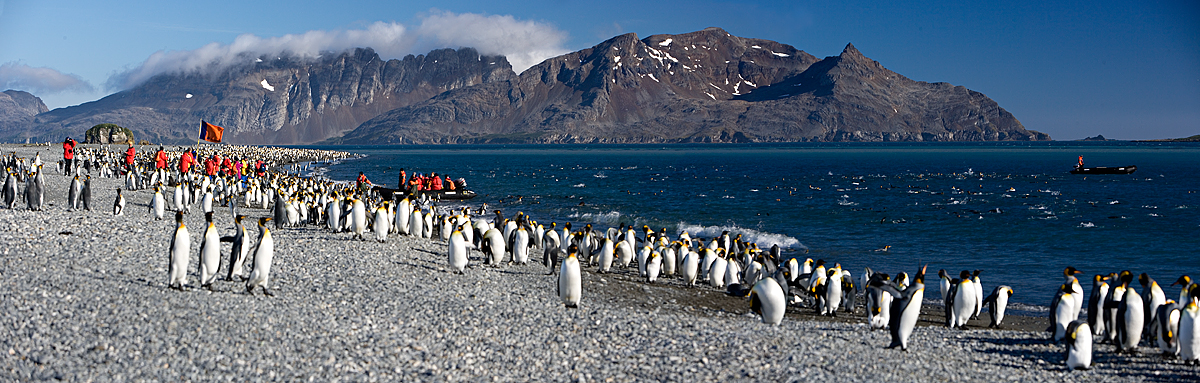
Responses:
[43,80]
[524,42]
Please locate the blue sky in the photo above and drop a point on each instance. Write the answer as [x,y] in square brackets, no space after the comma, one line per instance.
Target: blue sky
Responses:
[1128,70]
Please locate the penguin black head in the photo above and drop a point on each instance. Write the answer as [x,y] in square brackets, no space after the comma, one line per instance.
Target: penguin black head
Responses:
[239,218]
[208,217]
[921,275]
[1194,291]
[820,262]
[263,221]
[1126,277]
[942,273]
[1067,288]
[179,217]
[573,249]
[964,275]
[1070,270]
[1184,280]
[975,274]
[1144,279]
[1098,278]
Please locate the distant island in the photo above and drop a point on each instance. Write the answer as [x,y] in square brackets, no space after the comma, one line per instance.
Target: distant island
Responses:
[1098,137]
[1195,138]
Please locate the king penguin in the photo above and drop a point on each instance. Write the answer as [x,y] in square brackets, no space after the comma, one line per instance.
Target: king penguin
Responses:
[521,245]
[1060,311]
[963,297]
[381,223]
[119,204]
[691,267]
[210,253]
[1151,301]
[1079,345]
[1130,317]
[997,303]
[263,255]
[158,204]
[978,305]
[1111,305]
[570,287]
[85,194]
[73,194]
[10,189]
[1189,327]
[181,247]
[458,251]
[241,247]
[1095,312]
[905,309]
[1069,275]
[358,219]
[607,252]
[1168,329]
[653,267]
[768,301]
[879,301]
[492,246]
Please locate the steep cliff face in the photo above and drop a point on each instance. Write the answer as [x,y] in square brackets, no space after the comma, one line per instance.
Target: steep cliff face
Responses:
[17,109]
[278,100]
[705,86]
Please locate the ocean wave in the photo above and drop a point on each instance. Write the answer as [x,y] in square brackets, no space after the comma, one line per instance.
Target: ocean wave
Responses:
[763,239]
[609,218]
[578,185]
[1087,224]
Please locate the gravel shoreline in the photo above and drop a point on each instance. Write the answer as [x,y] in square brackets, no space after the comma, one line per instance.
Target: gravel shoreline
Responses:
[84,299]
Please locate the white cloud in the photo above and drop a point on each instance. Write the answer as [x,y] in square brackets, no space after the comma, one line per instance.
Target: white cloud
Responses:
[525,43]
[42,80]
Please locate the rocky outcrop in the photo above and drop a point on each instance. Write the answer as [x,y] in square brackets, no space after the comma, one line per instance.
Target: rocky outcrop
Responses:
[107,134]
[17,109]
[275,100]
[705,86]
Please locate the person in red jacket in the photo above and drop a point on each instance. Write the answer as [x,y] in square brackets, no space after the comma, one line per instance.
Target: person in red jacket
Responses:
[69,153]
[435,182]
[160,159]
[186,161]
[130,154]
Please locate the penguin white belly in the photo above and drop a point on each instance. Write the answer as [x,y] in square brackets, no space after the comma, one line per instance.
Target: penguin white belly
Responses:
[1000,306]
[415,223]
[606,256]
[733,273]
[710,257]
[495,244]
[382,225]
[447,229]
[1078,298]
[964,303]
[668,261]
[908,317]
[978,305]
[653,267]
[1165,334]
[624,253]
[691,268]
[262,262]
[521,247]
[160,206]
[716,276]
[1134,320]
[180,253]
[642,257]
[1189,333]
[458,252]
[769,298]
[1079,353]
[207,203]
[240,261]
[402,217]
[358,219]
[210,257]
[1062,316]
[570,289]
[833,294]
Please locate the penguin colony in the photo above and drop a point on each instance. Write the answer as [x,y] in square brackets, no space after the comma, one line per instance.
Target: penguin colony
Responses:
[1116,313]
[296,197]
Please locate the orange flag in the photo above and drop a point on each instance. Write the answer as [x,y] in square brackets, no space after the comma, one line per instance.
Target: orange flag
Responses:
[210,132]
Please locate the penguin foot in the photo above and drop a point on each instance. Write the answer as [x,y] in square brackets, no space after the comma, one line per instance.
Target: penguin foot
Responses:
[268,292]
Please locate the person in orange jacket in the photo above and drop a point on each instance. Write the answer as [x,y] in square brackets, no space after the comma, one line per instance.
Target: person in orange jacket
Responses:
[130,154]
[449,184]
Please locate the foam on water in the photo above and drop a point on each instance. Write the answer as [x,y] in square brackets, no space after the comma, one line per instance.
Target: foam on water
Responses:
[609,218]
[764,240]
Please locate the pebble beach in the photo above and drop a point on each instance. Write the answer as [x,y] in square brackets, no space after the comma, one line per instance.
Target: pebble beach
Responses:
[84,298]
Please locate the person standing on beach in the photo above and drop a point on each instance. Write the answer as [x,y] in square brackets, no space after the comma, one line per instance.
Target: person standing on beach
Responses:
[130,154]
[403,178]
[160,159]
[186,161]
[69,154]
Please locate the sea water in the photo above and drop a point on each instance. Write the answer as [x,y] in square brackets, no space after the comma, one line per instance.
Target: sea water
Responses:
[1010,209]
